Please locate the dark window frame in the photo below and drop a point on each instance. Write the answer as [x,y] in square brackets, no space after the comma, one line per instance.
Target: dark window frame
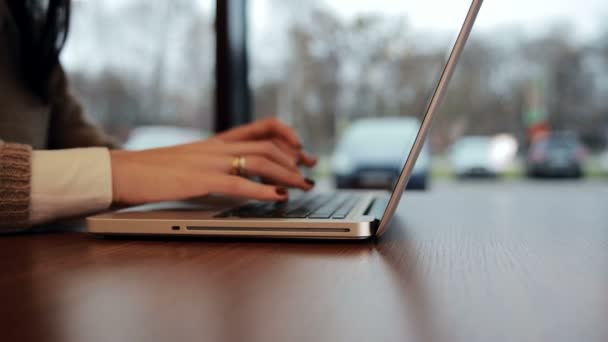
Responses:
[232,92]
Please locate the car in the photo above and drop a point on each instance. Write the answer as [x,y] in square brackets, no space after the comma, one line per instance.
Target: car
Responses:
[603,162]
[146,137]
[558,154]
[472,157]
[372,152]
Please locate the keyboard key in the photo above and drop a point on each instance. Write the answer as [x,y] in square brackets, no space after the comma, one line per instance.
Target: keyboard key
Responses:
[309,207]
[317,207]
[297,214]
[345,209]
[325,211]
[280,209]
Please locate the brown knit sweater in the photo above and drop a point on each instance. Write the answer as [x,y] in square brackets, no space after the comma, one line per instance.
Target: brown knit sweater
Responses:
[27,123]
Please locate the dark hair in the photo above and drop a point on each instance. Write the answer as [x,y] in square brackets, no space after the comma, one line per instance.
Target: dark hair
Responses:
[43,27]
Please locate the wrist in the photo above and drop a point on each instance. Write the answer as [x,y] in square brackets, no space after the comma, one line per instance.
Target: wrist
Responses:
[118,160]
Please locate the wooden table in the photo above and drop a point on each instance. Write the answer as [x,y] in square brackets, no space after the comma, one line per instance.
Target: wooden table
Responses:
[433,277]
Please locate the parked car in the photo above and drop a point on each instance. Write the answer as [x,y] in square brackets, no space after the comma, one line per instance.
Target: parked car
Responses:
[471,156]
[559,154]
[603,159]
[372,153]
[145,137]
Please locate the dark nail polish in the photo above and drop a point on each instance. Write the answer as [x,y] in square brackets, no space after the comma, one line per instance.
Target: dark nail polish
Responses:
[281,191]
[309,181]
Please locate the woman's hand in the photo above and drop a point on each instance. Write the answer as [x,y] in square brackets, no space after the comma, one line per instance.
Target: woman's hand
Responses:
[283,136]
[271,149]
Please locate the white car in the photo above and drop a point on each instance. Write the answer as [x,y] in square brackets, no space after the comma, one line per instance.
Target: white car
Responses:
[471,156]
[145,137]
[372,153]
[604,162]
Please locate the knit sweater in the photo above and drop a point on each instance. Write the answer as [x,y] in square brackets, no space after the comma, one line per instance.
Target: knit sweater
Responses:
[27,122]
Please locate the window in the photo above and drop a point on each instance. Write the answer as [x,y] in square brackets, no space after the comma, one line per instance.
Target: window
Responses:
[137,63]
[528,69]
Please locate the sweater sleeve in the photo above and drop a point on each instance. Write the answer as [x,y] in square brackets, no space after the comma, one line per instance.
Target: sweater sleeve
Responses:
[69,127]
[15,170]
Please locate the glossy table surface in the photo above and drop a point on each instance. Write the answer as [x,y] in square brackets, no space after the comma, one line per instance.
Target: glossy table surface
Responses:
[459,263]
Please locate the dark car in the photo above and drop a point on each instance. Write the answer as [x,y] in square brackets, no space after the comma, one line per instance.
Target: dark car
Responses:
[558,154]
[372,153]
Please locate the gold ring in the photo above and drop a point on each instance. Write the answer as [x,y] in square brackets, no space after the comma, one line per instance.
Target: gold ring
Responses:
[238,166]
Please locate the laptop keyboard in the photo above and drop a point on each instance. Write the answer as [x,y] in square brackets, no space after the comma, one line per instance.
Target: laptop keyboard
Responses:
[321,206]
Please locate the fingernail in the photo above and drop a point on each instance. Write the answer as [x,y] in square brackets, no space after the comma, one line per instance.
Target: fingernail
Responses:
[281,191]
[309,181]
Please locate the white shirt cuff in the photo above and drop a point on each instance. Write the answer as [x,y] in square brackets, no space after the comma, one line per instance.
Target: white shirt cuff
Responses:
[69,183]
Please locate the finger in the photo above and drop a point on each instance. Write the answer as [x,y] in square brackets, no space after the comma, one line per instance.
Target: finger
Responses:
[266,149]
[307,159]
[301,156]
[259,166]
[266,128]
[263,167]
[242,187]
[287,149]
[271,172]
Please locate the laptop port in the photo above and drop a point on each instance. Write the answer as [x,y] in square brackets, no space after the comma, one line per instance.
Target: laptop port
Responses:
[175,228]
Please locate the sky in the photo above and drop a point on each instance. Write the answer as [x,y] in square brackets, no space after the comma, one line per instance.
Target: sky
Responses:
[529,18]
[531,15]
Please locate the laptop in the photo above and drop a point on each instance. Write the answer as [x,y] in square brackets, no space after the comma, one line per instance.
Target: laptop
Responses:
[335,215]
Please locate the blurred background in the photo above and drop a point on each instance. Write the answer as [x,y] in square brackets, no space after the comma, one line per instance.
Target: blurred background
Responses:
[529,99]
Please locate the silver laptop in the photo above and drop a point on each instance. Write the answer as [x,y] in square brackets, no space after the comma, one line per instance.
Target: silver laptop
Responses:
[337,215]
